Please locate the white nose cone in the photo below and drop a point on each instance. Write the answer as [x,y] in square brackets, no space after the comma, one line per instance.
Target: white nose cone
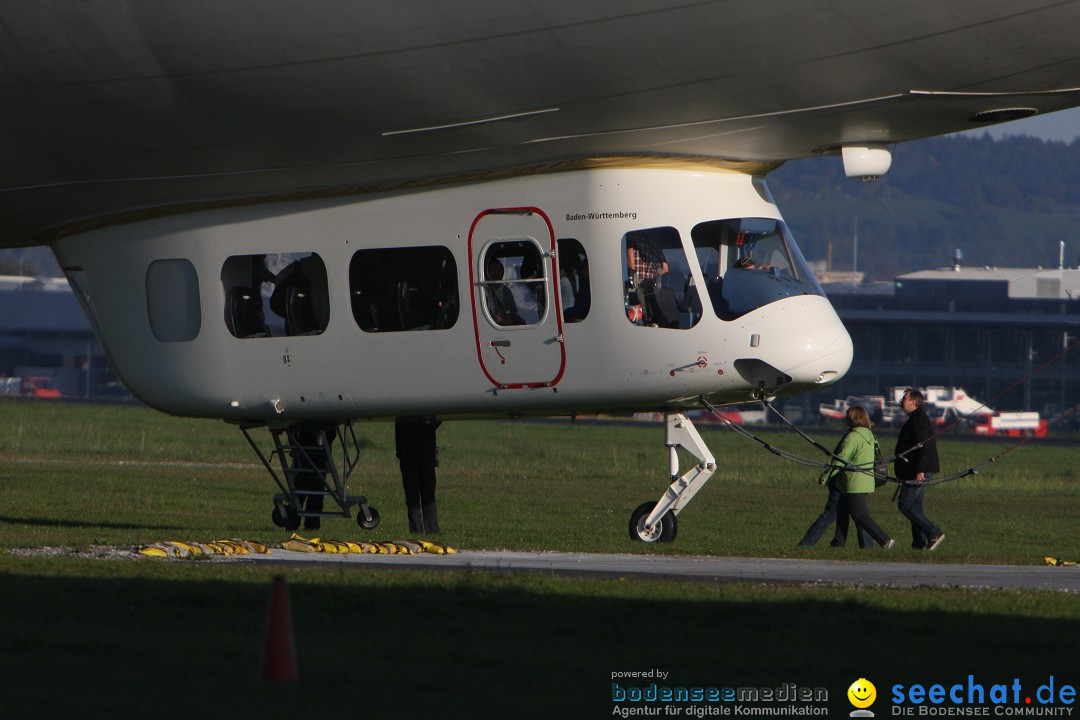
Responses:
[812,346]
[836,361]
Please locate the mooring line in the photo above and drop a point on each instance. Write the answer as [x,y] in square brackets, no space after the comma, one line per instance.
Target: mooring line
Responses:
[865,467]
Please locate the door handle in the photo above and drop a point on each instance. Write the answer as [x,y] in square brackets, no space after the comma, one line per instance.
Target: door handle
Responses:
[500,343]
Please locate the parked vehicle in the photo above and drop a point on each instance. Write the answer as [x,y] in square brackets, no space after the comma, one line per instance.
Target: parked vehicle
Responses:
[1012,424]
[37,387]
[947,408]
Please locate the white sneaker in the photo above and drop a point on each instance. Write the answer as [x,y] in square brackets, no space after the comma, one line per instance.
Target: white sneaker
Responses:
[889,545]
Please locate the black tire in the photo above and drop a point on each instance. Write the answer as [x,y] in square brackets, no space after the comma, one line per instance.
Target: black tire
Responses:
[664,530]
[368,524]
[290,520]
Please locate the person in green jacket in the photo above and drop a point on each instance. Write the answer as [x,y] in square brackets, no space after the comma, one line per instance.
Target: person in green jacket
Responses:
[856,451]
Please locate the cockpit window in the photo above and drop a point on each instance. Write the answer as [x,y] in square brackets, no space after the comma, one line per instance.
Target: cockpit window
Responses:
[659,289]
[750,262]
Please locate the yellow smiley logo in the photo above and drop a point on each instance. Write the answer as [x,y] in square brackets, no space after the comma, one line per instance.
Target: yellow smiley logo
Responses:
[862,693]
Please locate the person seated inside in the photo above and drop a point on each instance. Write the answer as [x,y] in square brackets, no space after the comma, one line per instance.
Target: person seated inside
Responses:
[747,263]
[500,298]
[574,289]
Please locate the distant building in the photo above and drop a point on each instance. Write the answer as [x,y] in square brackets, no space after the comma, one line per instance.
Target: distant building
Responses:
[827,276]
[1000,333]
[44,334]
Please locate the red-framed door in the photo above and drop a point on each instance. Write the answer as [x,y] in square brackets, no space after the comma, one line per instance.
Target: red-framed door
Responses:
[514,279]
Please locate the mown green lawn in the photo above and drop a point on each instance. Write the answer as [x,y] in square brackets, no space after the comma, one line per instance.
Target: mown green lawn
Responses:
[145,638]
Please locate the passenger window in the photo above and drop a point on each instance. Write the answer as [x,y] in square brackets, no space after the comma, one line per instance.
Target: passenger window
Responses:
[575,293]
[172,300]
[660,290]
[398,289]
[274,295]
[514,278]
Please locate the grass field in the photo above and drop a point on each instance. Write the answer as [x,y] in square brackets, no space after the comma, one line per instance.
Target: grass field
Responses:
[122,638]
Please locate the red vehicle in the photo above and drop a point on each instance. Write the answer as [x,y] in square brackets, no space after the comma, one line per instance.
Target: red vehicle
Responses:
[1012,424]
[38,387]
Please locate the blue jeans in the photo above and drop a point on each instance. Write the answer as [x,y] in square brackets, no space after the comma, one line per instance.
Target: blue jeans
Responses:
[923,530]
[827,518]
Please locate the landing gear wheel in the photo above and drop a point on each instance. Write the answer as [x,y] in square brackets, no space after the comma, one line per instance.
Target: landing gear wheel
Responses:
[365,523]
[664,530]
[290,520]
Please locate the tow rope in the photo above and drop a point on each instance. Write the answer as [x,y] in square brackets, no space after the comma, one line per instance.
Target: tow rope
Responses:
[867,468]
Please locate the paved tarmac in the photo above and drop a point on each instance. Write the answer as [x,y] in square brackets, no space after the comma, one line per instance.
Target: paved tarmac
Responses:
[709,569]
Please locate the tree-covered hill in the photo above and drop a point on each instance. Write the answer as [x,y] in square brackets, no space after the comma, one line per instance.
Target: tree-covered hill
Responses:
[1002,202]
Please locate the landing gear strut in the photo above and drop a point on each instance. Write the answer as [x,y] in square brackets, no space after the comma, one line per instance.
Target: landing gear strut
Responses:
[655,521]
[310,474]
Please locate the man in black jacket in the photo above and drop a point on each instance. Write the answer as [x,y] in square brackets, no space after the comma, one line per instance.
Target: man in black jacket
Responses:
[917,463]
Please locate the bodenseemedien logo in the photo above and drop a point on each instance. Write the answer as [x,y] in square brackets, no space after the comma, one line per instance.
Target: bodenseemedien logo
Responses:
[862,695]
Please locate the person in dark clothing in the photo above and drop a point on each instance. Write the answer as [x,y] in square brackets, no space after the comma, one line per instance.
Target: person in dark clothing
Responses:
[306,439]
[916,463]
[417,455]
[500,298]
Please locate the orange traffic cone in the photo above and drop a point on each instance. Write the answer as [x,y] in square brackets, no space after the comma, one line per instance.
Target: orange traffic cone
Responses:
[278,661]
